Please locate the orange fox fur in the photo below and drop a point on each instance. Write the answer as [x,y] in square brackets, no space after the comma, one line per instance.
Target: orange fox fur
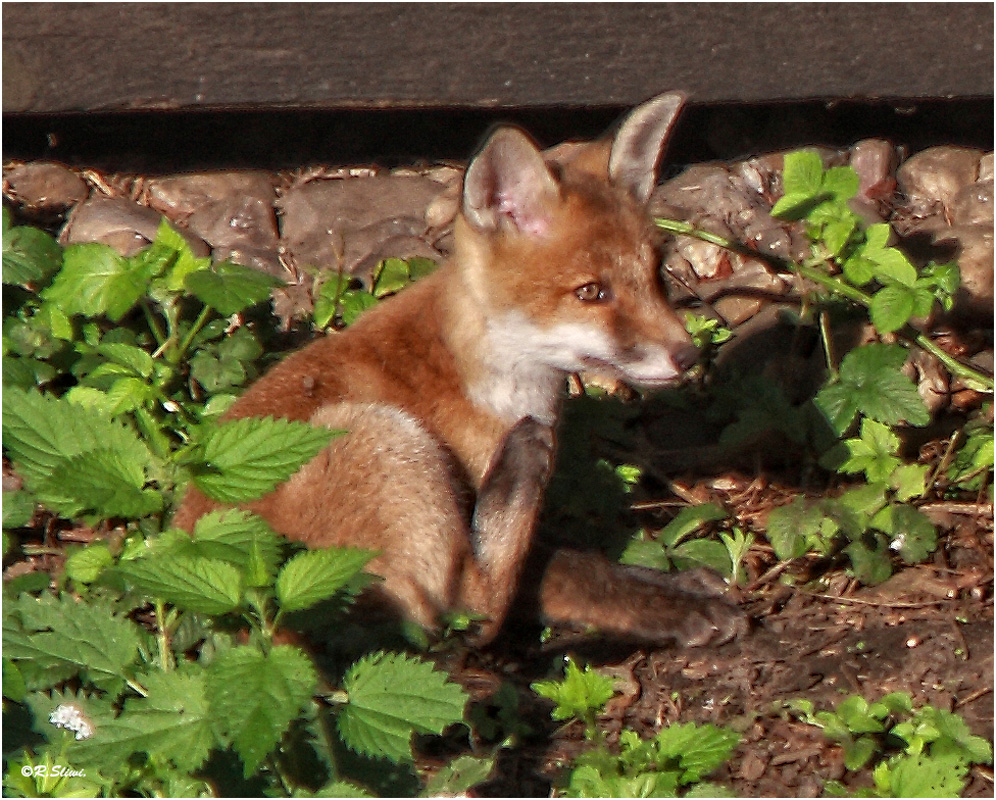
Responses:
[451,390]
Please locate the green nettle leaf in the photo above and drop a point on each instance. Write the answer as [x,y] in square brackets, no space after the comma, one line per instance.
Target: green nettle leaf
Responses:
[459,776]
[172,722]
[230,288]
[580,692]
[698,749]
[702,553]
[18,509]
[392,696]
[246,458]
[29,255]
[96,280]
[240,538]
[87,638]
[870,383]
[99,481]
[199,584]
[56,443]
[392,277]
[909,481]
[316,575]
[922,776]
[791,527]
[869,556]
[254,697]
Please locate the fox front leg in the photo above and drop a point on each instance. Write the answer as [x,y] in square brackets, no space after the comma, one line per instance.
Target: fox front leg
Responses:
[505,515]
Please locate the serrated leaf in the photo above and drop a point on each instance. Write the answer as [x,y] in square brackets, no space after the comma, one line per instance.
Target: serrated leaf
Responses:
[248,457]
[172,722]
[791,527]
[96,280]
[207,585]
[840,182]
[913,535]
[909,481]
[870,382]
[891,308]
[872,453]
[316,575]
[580,692]
[869,559]
[254,697]
[702,553]
[803,173]
[240,538]
[698,749]
[101,482]
[460,775]
[892,266]
[689,520]
[392,696]
[87,638]
[54,443]
[216,373]
[923,776]
[29,255]
[85,566]
[18,509]
[230,288]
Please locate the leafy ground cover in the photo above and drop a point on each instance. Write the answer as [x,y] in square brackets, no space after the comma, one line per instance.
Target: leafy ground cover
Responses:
[160,664]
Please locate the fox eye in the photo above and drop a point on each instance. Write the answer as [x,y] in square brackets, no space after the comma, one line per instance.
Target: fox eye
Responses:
[593,292]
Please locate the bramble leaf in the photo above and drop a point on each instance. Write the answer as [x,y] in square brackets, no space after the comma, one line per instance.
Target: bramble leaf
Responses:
[791,527]
[392,696]
[96,280]
[870,383]
[229,288]
[29,255]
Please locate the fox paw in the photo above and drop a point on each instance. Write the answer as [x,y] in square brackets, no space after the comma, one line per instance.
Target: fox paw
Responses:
[689,607]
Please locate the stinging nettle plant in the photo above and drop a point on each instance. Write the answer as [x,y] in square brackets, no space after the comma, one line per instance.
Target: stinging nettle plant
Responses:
[157,653]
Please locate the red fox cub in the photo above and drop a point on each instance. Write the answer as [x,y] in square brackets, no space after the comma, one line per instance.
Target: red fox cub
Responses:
[451,390]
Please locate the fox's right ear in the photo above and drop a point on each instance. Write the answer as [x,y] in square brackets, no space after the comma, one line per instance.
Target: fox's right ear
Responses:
[508,184]
[639,142]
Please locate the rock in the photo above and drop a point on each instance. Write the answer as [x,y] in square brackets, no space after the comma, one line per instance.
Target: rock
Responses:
[232,212]
[974,254]
[338,224]
[973,205]
[44,186]
[123,224]
[937,174]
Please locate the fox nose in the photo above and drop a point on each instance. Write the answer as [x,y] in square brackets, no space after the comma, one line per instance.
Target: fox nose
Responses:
[685,357]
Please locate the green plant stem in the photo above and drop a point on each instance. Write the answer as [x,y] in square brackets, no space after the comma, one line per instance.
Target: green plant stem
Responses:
[177,355]
[154,324]
[835,285]
[162,636]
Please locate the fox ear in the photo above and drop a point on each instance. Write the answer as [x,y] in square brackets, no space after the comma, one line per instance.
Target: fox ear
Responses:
[638,145]
[507,183]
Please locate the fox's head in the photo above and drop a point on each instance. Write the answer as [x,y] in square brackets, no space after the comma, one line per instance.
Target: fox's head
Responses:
[561,254]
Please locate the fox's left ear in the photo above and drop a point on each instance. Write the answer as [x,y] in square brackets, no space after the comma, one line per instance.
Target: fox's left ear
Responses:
[638,144]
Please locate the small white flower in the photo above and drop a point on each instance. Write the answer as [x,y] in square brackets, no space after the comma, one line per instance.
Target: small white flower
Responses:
[71,717]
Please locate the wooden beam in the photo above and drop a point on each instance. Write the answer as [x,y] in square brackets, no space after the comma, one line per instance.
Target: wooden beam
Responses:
[64,57]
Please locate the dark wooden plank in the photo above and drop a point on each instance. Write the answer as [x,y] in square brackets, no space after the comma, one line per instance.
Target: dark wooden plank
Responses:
[81,56]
